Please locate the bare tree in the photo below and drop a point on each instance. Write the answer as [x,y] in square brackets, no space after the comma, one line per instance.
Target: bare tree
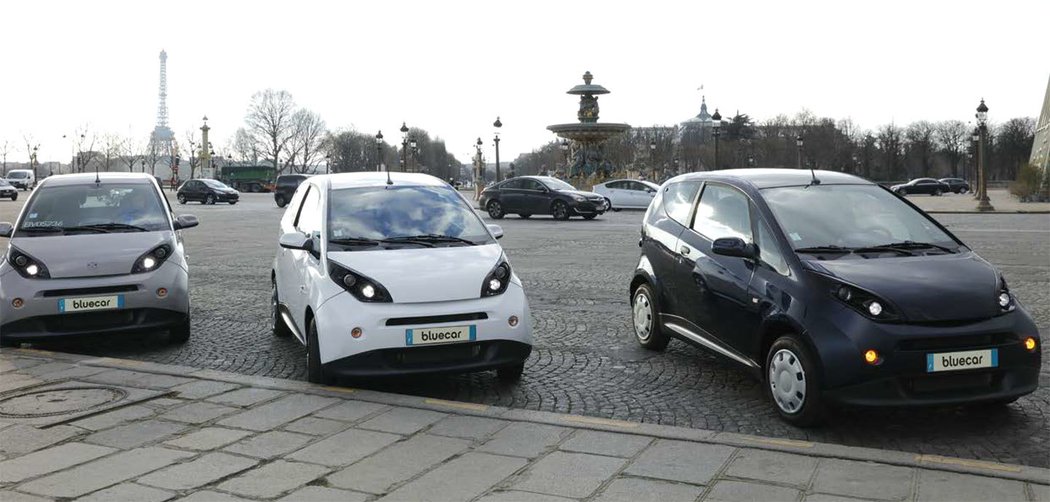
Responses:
[130,153]
[952,138]
[305,144]
[920,144]
[112,147]
[245,147]
[4,150]
[193,144]
[269,121]
[85,146]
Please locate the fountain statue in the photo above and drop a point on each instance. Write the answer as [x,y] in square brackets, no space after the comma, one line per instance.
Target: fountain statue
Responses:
[588,135]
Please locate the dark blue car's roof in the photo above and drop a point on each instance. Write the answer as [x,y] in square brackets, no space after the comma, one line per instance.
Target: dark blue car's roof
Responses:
[767,178]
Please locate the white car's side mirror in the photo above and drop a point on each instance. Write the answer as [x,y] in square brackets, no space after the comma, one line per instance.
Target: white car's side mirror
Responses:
[497,231]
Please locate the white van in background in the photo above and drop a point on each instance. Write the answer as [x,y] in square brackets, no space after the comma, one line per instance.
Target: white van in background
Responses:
[22,178]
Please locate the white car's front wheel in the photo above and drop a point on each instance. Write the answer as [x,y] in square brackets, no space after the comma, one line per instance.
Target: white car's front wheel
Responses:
[314,369]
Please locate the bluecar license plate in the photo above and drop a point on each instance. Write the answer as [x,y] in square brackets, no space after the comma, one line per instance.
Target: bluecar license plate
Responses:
[449,334]
[970,359]
[91,303]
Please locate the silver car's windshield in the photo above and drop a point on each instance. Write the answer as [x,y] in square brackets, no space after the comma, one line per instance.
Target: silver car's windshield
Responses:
[376,217]
[851,216]
[91,208]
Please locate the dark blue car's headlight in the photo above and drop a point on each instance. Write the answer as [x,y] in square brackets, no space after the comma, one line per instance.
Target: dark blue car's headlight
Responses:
[363,288]
[865,302]
[1005,299]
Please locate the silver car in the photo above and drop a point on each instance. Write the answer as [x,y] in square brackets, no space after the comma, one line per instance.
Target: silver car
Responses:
[94,254]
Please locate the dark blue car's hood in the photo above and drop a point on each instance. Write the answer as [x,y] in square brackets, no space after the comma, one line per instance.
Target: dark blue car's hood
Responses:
[952,287]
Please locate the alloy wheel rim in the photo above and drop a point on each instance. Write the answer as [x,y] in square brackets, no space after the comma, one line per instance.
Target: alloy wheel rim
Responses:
[560,210]
[787,381]
[643,317]
[494,209]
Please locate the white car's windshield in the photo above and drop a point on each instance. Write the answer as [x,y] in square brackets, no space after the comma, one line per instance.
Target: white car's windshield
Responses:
[17,175]
[108,207]
[851,216]
[430,216]
[556,184]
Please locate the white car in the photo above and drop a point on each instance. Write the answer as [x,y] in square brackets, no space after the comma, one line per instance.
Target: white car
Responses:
[392,276]
[22,178]
[627,194]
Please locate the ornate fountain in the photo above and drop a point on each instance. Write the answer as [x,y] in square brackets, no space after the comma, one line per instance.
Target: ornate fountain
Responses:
[588,135]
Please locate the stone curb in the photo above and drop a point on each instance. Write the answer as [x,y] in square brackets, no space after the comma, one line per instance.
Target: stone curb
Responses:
[1030,474]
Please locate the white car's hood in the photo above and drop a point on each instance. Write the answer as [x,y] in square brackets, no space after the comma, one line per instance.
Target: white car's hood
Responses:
[425,274]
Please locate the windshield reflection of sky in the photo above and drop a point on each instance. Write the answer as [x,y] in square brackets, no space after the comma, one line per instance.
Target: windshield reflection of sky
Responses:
[384,213]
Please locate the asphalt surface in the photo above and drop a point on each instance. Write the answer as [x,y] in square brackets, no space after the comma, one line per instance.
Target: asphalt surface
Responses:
[585,360]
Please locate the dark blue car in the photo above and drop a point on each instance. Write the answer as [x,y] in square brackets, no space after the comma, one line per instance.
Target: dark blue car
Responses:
[832,290]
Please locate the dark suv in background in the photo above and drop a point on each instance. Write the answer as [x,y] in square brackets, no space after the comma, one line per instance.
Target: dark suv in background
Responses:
[285,187]
[956,185]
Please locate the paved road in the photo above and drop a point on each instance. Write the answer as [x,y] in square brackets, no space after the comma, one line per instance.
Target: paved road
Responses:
[586,362]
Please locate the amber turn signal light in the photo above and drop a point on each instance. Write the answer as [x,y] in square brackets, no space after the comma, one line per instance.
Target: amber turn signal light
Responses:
[1029,343]
[871,356]
[356,332]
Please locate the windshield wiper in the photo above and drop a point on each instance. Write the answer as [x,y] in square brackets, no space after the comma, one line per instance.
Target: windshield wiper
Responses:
[831,248]
[913,245]
[355,241]
[34,230]
[430,238]
[106,227]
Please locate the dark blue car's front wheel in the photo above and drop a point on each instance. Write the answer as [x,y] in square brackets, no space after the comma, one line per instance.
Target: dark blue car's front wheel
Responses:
[793,382]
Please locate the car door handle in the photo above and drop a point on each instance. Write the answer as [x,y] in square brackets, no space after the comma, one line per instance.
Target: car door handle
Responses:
[685,250]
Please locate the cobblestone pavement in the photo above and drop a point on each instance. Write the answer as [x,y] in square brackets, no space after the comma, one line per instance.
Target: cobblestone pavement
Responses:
[585,361]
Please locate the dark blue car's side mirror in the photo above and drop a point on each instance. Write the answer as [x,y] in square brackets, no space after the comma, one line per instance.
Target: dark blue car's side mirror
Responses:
[734,246]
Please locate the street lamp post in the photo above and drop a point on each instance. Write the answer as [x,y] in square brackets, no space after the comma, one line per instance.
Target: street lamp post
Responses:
[676,172]
[717,118]
[975,138]
[32,161]
[413,149]
[379,151]
[652,157]
[404,147]
[983,204]
[479,170]
[799,141]
[565,151]
[497,124]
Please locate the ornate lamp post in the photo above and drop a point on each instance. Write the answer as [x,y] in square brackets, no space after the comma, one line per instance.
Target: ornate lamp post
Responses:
[379,151]
[799,142]
[32,160]
[479,170]
[652,157]
[414,147]
[676,172]
[404,147]
[565,151]
[497,124]
[975,138]
[983,204]
[717,118]
[142,165]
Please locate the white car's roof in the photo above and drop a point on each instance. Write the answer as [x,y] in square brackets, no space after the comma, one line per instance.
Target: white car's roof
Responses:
[629,179]
[376,179]
[19,171]
[86,178]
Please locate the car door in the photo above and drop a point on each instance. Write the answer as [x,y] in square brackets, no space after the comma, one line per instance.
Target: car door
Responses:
[663,224]
[714,288]
[297,275]
[614,192]
[512,196]
[536,198]
[641,194]
[771,289]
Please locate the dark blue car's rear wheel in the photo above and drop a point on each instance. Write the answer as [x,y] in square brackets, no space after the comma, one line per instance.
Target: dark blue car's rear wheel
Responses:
[793,382]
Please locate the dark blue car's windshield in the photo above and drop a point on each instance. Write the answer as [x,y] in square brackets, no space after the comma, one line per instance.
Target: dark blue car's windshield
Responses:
[852,216]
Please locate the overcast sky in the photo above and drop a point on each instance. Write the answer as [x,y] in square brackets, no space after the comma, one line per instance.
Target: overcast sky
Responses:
[451,67]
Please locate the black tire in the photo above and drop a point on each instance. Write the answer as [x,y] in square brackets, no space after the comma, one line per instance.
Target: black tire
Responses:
[963,190]
[495,210]
[180,334]
[608,205]
[279,199]
[788,362]
[902,191]
[937,192]
[995,404]
[14,196]
[280,329]
[560,210]
[590,216]
[209,200]
[645,312]
[511,373]
[314,369]
[232,202]
[524,216]
[181,198]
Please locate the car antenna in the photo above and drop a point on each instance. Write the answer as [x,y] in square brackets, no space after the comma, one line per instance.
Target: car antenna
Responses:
[814,174]
[97,180]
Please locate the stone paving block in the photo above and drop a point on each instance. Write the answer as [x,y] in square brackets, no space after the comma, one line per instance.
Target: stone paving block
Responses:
[9,496]
[199,472]
[210,496]
[103,472]
[351,411]
[682,461]
[403,420]
[863,479]
[468,427]
[137,379]
[523,439]
[316,426]
[344,448]
[320,493]
[165,402]
[200,389]
[824,497]
[635,489]
[273,479]
[128,492]
[397,463]
[744,491]
[58,371]
[116,417]
[14,381]
[20,438]
[135,434]
[245,397]
[605,443]
[1040,493]
[273,414]
[461,479]
[513,496]
[198,412]
[941,485]
[50,460]
[208,439]
[772,466]
[574,475]
[9,363]
[270,444]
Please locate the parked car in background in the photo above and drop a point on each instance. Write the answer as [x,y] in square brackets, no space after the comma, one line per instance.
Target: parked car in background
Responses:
[285,187]
[837,292]
[928,186]
[7,191]
[627,194]
[393,278]
[956,185]
[94,254]
[529,195]
[22,178]
[206,191]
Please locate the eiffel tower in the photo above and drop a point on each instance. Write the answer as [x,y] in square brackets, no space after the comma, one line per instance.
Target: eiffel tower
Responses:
[162,141]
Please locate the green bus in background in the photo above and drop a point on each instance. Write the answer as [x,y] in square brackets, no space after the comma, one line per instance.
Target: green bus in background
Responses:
[248,178]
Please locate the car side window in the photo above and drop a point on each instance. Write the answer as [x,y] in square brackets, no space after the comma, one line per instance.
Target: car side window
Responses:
[634,185]
[531,185]
[291,216]
[723,212]
[616,184]
[678,200]
[768,250]
[309,220]
[512,184]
